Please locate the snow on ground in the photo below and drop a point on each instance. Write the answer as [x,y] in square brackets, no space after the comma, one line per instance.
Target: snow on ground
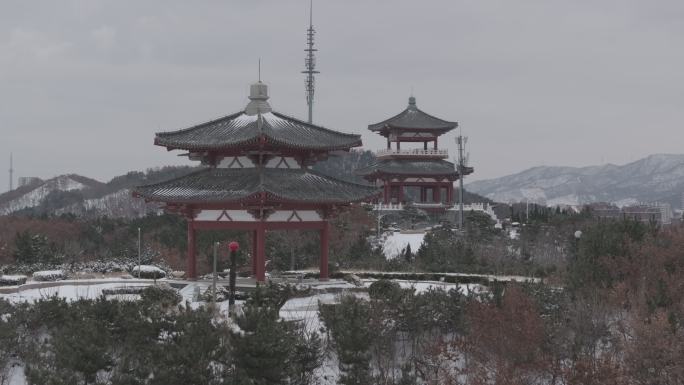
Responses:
[71,291]
[394,275]
[305,310]
[396,242]
[12,280]
[192,290]
[423,286]
[334,284]
[147,269]
[48,275]
[16,374]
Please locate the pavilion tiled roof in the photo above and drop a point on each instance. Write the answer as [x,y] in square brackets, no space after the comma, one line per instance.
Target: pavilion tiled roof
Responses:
[425,167]
[413,117]
[221,185]
[242,129]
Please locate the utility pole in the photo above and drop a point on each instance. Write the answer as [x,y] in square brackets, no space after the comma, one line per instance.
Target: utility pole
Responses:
[233,246]
[310,64]
[461,141]
[139,253]
[379,218]
[11,173]
[213,283]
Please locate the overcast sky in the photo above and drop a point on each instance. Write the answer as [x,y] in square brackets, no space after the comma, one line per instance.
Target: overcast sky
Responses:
[84,85]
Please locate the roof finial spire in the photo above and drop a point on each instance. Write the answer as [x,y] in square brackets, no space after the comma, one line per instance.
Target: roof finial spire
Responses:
[412,100]
[258,97]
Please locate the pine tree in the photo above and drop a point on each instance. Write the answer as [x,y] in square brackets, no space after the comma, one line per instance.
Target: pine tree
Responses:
[347,324]
[408,255]
[269,350]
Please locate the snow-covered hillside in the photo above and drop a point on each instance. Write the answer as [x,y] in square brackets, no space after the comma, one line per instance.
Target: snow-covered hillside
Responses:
[82,196]
[657,178]
[37,195]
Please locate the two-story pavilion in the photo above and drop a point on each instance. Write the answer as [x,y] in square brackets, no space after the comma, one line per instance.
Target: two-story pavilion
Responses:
[419,174]
[257,178]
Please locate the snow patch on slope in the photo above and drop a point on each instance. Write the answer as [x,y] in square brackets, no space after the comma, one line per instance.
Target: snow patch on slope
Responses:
[565,200]
[36,196]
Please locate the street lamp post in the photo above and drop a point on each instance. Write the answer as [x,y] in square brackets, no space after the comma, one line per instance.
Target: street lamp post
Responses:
[233,246]
[213,283]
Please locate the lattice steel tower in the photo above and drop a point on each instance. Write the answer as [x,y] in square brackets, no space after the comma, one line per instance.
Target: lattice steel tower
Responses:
[310,64]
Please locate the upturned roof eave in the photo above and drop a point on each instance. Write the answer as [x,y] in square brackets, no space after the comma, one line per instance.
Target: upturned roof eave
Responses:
[363,192]
[388,123]
[338,140]
[254,140]
[386,127]
[274,198]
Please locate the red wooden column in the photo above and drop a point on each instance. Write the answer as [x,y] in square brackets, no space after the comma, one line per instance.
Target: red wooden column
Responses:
[450,193]
[325,236]
[260,252]
[254,252]
[386,193]
[191,261]
[436,194]
[401,193]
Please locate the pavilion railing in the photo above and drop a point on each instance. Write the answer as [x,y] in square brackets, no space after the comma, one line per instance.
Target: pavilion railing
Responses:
[441,153]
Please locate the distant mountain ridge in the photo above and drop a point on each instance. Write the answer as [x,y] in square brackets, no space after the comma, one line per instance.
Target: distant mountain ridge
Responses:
[82,196]
[656,178]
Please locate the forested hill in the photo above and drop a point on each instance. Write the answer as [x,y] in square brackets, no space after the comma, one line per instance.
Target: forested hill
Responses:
[344,165]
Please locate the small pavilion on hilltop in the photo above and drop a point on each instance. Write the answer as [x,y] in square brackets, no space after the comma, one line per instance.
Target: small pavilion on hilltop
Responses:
[257,178]
[418,174]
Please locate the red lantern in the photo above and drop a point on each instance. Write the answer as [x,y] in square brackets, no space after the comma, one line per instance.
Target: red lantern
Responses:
[233,246]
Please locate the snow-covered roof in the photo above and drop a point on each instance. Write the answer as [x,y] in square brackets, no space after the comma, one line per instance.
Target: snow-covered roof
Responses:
[414,118]
[241,130]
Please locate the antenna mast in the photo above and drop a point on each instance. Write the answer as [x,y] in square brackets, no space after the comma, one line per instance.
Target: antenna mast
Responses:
[310,64]
[461,141]
[11,173]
